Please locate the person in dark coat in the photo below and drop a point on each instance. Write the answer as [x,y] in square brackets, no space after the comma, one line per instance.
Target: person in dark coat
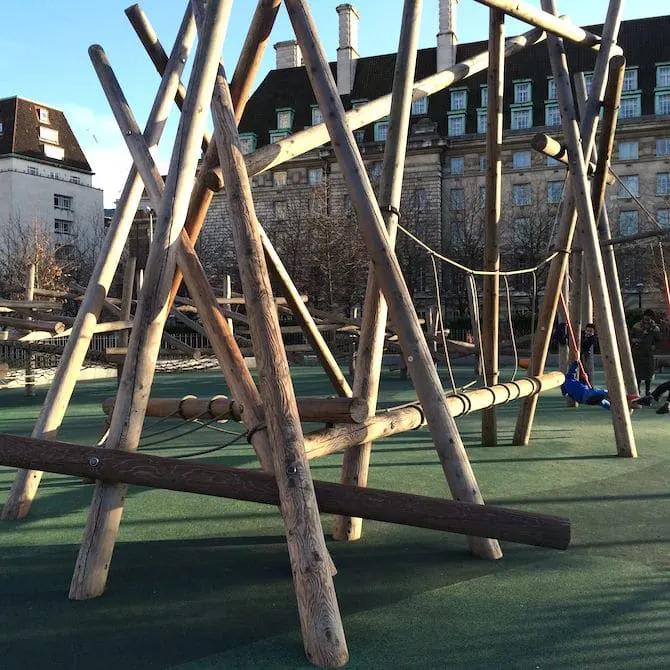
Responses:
[656,396]
[644,336]
[587,352]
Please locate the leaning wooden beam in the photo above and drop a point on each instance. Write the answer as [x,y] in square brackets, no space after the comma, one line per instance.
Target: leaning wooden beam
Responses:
[58,397]
[114,465]
[564,235]
[29,305]
[631,239]
[494,139]
[428,386]
[604,156]
[28,324]
[321,624]
[394,421]
[90,576]
[552,148]
[318,410]
[550,22]
[623,431]
[367,374]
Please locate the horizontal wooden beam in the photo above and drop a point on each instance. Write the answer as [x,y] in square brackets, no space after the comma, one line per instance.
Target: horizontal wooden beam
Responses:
[29,324]
[112,465]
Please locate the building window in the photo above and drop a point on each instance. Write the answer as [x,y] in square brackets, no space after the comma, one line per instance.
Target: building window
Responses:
[551,89]
[552,162]
[285,119]
[381,131]
[359,136]
[75,179]
[521,231]
[280,178]
[357,104]
[32,170]
[588,80]
[420,199]
[663,147]
[554,191]
[484,95]
[317,116]
[457,199]
[522,92]
[629,222]
[420,106]
[481,121]
[663,75]
[278,135]
[62,226]
[663,183]
[248,142]
[53,151]
[629,186]
[483,163]
[663,218]
[279,207]
[630,79]
[315,176]
[458,165]
[2,127]
[459,99]
[662,103]
[628,151]
[43,115]
[552,115]
[63,202]
[482,197]
[375,170]
[456,125]
[521,160]
[629,107]
[48,134]
[522,118]
[521,194]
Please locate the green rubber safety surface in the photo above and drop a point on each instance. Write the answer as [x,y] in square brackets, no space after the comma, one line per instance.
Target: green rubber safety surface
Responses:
[199,582]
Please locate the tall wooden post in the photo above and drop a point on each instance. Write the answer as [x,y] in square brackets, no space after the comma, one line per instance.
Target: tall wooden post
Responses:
[90,575]
[623,431]
[126,302]
[356,461]
[475,324]
[228,293]
[30,356]
[26,482]
[567,225]
[426,381]
[494,132]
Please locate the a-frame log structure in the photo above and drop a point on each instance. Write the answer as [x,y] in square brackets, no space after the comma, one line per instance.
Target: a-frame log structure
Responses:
[270,411]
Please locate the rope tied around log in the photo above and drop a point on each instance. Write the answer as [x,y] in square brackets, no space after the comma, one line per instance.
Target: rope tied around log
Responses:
[252,431]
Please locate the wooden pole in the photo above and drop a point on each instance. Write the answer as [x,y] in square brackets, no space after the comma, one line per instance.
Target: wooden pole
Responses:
[566,229]
[389,276]
[370,349]
[114,465]
[553,24]
[494,138]
[552,148]
[55,327]
[26,483]
[30,357]
[623,432]
[126,302]
[228,293]
[322,631]
[475,324]
[104,517]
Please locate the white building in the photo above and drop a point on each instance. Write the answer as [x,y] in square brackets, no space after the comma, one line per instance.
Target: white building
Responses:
[44,175]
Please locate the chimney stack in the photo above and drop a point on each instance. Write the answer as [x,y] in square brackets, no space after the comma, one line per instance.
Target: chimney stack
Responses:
[288,54]
[447,39]
[347,52]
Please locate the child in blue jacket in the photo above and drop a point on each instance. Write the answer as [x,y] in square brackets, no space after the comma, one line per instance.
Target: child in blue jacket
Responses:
[585,395]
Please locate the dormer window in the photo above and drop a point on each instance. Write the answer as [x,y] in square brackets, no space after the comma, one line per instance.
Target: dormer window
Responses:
[420,106]
[48,134]
[248,142]
[285,119]
[522,92]
[459,99]
[357,104]
[43,115]
[278,135]
[317,116]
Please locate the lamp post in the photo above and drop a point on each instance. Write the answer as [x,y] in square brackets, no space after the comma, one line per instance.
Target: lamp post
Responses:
[640,289]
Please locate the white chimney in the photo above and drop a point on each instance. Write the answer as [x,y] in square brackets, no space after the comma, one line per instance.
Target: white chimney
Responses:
[447,39]
[288,54]
[347,52]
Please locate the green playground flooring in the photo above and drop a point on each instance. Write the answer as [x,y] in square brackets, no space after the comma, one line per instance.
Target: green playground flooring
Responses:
[201,583]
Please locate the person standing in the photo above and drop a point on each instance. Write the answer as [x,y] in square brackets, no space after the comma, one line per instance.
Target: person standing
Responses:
[587,352]
[644,336]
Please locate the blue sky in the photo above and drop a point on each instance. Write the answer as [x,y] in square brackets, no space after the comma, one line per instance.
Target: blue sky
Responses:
[44,55]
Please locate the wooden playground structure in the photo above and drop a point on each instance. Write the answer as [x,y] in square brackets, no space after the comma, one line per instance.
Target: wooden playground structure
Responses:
[269,411]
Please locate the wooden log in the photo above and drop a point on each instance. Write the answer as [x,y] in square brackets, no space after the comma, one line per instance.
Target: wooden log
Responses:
[90,576]
[52,293]
[370,350]
[317,410]
[394,421]
[29,305]
[320,621]
[494,139]
[234,300]
[428,386]
[553,24]
[26,483]
[611,362]
[114,465]
[30,324]
[563,240]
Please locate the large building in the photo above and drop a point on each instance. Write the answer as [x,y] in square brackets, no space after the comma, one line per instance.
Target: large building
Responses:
[45,179]
[443,187]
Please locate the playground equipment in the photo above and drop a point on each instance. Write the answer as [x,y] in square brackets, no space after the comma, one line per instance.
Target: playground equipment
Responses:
[270,411]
